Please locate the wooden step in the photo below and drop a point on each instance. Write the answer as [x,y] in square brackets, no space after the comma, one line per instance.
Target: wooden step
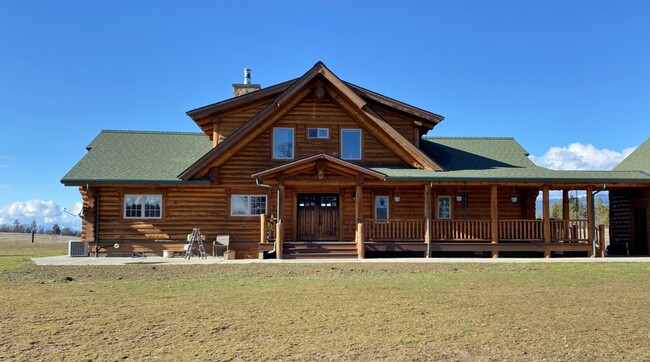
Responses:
[318,250]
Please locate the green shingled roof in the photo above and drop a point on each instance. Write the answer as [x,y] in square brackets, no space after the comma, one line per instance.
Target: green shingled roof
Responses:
[639,160]
[138,157]
[494,159]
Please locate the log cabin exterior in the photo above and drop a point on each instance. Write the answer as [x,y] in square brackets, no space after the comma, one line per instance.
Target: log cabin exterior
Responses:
[628,210]
[319,167]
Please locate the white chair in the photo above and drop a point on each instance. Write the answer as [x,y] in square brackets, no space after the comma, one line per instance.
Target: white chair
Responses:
[221,241]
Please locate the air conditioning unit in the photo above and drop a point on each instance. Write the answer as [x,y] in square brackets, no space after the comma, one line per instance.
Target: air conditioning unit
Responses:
[77,248]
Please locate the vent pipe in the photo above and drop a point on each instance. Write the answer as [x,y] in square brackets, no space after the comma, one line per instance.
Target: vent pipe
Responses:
[247,76]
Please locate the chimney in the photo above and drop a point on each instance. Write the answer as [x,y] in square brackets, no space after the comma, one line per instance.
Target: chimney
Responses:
[246,87]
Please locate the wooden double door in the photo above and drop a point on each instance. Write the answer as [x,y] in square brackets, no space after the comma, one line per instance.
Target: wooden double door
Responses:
[318,217]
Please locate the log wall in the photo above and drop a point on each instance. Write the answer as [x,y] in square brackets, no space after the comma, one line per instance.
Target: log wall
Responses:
[622,206]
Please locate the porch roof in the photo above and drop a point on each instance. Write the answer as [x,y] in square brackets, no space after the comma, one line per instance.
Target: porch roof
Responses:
[314,161]
[537,174]
[502,159]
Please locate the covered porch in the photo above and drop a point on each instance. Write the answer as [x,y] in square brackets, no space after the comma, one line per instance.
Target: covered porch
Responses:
[482,218]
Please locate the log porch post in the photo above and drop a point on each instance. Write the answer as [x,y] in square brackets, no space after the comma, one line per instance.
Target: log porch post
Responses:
[547,218]
[591,223]
[494,216]
[279,229]
[358,214]
[565,213]
[427,217]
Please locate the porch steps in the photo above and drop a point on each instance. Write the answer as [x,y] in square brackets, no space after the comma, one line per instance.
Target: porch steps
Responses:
[319,250]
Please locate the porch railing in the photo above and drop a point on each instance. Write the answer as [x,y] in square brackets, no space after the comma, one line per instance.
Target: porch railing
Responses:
[573,231]
[393,229]
[521,230]
[460,230]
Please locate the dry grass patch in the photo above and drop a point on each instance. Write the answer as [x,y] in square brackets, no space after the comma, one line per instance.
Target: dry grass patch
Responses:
[325,312]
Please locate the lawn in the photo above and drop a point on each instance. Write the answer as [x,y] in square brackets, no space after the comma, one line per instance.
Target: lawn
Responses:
[321,312]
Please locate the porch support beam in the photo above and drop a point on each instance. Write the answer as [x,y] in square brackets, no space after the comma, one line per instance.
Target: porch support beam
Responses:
[494,217]
[358,214]
[547,217]
[427,217]
[591,223]
[279,232]
[565,212]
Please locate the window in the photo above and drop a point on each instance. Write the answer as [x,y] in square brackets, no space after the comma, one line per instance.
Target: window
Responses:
[318,133]
[351,144]
[247,205]
[142,206]
[381,207]
[283,143]
[444,207]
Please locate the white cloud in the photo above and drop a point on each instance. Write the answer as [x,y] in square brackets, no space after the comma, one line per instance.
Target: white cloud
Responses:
[581,157]
[44,212]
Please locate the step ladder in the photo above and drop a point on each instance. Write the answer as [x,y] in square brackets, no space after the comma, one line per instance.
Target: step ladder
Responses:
[195,244]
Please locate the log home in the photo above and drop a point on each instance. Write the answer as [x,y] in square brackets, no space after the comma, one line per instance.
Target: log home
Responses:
[319,167]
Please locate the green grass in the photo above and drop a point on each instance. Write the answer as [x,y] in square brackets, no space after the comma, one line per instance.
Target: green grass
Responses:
[322,312]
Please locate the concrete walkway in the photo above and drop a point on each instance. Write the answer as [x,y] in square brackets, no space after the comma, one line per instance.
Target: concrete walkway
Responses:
[66,260]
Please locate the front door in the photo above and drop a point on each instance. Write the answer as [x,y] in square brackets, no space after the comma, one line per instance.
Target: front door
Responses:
[641,231]
[318,217]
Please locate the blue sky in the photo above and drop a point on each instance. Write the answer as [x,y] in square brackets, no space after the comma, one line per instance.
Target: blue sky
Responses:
[551,74]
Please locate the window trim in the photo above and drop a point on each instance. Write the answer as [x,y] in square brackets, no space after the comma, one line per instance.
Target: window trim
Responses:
[360,144]
[318,129]
[387,197]
[293,143]
[248,204]
[438,215]
[142,211]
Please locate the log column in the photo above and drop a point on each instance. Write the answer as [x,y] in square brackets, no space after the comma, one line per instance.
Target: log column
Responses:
[427,217]
[494,217]
[358,214]
[566,216]
[591,223]
[279,236]
[547,218]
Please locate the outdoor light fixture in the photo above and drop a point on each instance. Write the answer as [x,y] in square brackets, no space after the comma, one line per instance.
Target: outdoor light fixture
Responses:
[397,197]
[513,198]
[459,198]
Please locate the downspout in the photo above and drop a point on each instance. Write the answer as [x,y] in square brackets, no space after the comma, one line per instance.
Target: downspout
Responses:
[593,219]
[277,190]
[427,216]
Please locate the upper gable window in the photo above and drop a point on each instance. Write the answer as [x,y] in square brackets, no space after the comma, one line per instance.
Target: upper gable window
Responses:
[351,144]
[318,133]
[283,143]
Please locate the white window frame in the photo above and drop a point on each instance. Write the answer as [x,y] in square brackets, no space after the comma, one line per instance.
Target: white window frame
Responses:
[248,204]
[438,209]
[343,130]
[318,133]
[293,143]
[387,198]
[142,209]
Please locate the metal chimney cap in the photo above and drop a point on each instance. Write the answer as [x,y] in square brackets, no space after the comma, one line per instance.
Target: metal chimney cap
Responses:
[247,76]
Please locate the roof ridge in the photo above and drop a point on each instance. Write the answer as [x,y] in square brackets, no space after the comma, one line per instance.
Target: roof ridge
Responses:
[150,132]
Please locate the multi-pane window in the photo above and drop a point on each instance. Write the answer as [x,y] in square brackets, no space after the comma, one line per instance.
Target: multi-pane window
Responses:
[283,143]
[444,207]
[318,132]
[351,144]
[381,207]
[247,205]
[142,206]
